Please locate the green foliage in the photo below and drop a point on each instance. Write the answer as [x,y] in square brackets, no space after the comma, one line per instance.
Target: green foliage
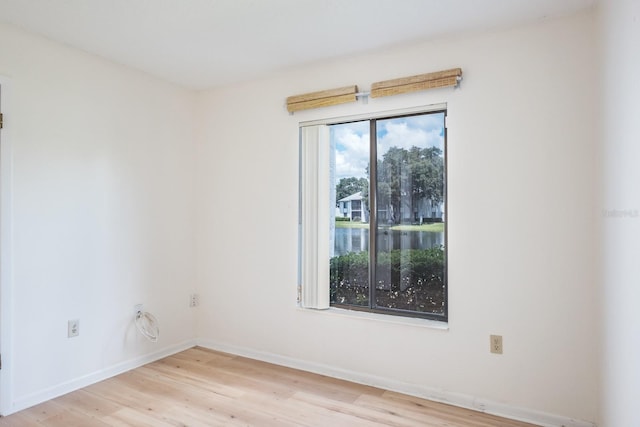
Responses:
[349,186]
[411,279]
[343,218]
[349,278]
[407,176]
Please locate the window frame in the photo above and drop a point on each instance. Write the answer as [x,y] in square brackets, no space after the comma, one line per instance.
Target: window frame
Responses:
[373,118]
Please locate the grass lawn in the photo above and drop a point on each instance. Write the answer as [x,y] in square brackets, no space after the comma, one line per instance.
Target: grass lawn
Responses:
[350,224]
[437,227]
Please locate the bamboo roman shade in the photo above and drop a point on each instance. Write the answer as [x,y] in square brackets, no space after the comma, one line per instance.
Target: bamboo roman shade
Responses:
[323,98]
[416,83]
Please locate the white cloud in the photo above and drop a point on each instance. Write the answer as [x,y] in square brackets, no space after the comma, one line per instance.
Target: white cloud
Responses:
[352,140]
[406,132]
[352,149]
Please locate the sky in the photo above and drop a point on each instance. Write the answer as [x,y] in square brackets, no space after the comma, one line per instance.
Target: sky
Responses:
[352,140]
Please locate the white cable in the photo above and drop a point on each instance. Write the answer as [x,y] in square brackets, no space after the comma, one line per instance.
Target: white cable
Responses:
[147,324]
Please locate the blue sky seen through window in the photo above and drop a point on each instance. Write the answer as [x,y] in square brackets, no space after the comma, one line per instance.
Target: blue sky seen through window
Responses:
[352,140]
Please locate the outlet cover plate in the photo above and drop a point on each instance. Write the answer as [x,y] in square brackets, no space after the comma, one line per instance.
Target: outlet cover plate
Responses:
[496,344]
[73,328]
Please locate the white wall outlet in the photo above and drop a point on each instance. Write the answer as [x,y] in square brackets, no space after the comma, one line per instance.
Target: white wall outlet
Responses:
[496,344]
[73,328]
[137,309]
[194,300]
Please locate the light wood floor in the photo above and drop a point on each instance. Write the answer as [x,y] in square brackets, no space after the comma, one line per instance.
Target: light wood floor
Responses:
[200,387]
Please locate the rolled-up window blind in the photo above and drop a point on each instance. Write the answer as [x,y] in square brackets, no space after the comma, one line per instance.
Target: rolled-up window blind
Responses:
[416,83]
[322,98]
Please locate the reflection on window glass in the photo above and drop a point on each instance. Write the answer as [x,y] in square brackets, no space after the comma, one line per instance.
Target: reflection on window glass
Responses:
[406,233]
[350,258]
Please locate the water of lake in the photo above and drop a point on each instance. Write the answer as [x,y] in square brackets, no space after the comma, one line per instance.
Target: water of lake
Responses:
[357,240]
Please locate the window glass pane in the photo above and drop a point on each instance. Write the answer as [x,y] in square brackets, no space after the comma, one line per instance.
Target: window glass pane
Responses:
[410,267]
[349,263]
[408,274]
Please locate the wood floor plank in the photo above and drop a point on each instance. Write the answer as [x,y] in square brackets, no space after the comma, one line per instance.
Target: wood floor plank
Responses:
[271,375]
[19,420]
[456,414]
[200,387]
[234,383]
[435,414]
[363,414]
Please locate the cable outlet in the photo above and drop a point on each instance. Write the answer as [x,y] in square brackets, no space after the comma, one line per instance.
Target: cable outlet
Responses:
[137,309]
[73,328]
[496,344]
[194,300]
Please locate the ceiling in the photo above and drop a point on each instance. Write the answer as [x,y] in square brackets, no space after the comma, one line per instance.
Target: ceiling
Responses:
[206,43]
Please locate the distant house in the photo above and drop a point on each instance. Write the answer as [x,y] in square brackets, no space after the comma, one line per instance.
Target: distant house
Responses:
[428,212]
[423,211]
[352,207]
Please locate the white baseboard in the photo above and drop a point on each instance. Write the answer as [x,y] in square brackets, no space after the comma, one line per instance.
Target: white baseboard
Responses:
[89,379]
[462,400]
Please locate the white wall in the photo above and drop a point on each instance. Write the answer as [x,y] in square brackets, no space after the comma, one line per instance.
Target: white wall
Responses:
[521,220]
[103,209]
[620,211]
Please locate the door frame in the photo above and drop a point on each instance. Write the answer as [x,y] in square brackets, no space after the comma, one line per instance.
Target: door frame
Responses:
[6,249]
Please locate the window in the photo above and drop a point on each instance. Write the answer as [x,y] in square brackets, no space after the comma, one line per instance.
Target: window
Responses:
[380,238]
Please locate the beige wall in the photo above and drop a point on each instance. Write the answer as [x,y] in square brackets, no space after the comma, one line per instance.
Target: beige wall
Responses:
[521,220]
[102,213]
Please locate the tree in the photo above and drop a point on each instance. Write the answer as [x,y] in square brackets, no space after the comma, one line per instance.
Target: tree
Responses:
[406,177]
[392,182]
[427,172]
[349,186]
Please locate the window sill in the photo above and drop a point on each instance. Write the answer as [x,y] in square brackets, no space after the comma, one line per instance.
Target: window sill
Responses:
[380,318]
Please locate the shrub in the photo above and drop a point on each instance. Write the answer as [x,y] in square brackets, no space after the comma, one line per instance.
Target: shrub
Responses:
[410,279]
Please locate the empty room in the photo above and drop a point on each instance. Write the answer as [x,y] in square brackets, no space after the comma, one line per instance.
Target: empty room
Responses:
[319,213]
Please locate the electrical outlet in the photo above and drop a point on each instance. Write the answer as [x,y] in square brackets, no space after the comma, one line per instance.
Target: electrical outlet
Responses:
[496,344]
[194,300]
[73,328]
